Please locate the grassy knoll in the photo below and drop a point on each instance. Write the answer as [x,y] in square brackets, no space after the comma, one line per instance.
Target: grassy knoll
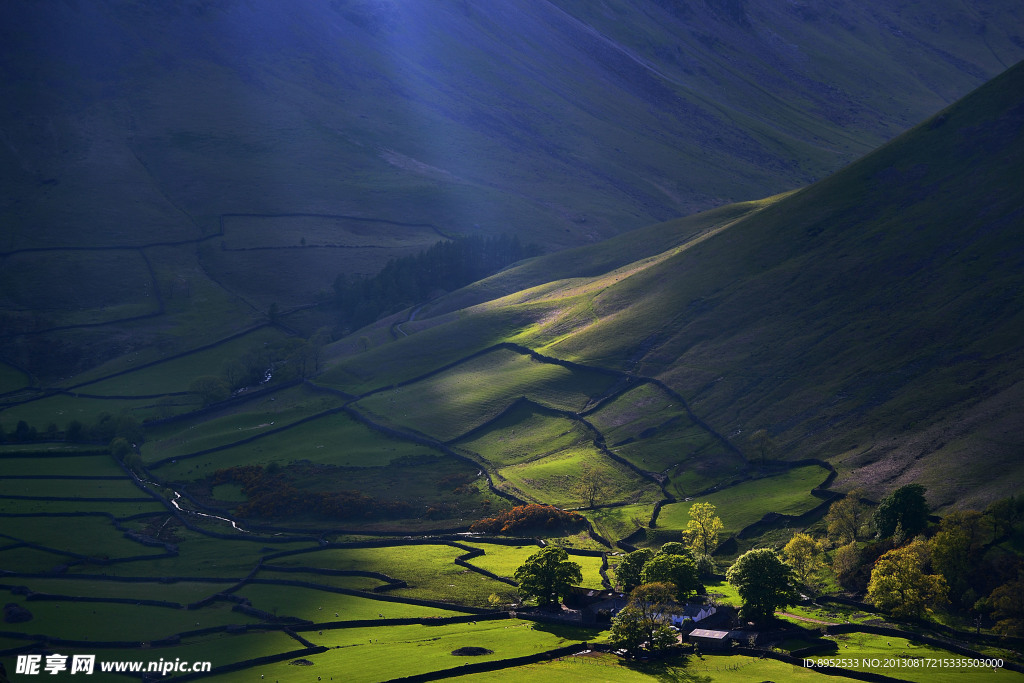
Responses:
[503,560]
[176,375]
[430,571]
[234,422]
[114,621]
[375,654]
[652,430]
[323,606]
[453,402]
[560,479]
[741,505]
[522,434]
[619,522]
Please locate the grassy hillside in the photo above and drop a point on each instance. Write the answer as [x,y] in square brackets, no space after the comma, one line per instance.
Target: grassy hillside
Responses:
[873,318]
[207,126]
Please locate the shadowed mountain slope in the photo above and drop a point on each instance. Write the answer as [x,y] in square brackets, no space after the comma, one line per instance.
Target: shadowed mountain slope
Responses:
[874,318]
[275,145]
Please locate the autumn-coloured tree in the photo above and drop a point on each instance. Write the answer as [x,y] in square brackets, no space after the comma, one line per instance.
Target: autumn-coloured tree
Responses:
[703,528]
[803,554]
[899,584]
[845,518]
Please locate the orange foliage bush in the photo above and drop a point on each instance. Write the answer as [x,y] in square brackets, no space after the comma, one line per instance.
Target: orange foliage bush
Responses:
[530,518]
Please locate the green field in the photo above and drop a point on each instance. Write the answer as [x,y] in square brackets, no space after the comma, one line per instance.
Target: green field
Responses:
[557,479]
[334,439]
[177,374]
[788,493]
[430,571]
[522,434]
[22,463]
[62,409]
[320,606]
[234,423]
[457,400]
[375,654]
[503,560]
[101,621]
[11,378]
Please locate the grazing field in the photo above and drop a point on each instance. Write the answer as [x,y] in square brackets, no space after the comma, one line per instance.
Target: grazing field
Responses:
[461,398]
[376,654]
[620,521]
[103,621]
[653,431]
[430,571]
[788,493]
[522,434]
[235,423]
[71,488]
[333,439]
[177,374]
[28,286]
[503,560]
[19,462]
[92,536]
[586,668]
[184,592]
[563,478]
[321,606]
[62,409]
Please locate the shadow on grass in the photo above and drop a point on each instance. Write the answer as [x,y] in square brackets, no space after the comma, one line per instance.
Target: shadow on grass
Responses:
[568,631]
[670,670]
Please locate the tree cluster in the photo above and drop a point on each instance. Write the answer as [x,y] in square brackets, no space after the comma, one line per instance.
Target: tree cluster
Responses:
[765,583]
[105,429]
[673,565]
[644,623]
[286,359]
[405,281]
[527,518]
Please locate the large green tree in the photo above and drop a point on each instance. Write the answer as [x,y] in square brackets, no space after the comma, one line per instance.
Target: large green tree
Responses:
[627,573]
[765,583]
[547,575]
[677,570]
[644,621]
[903,513]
